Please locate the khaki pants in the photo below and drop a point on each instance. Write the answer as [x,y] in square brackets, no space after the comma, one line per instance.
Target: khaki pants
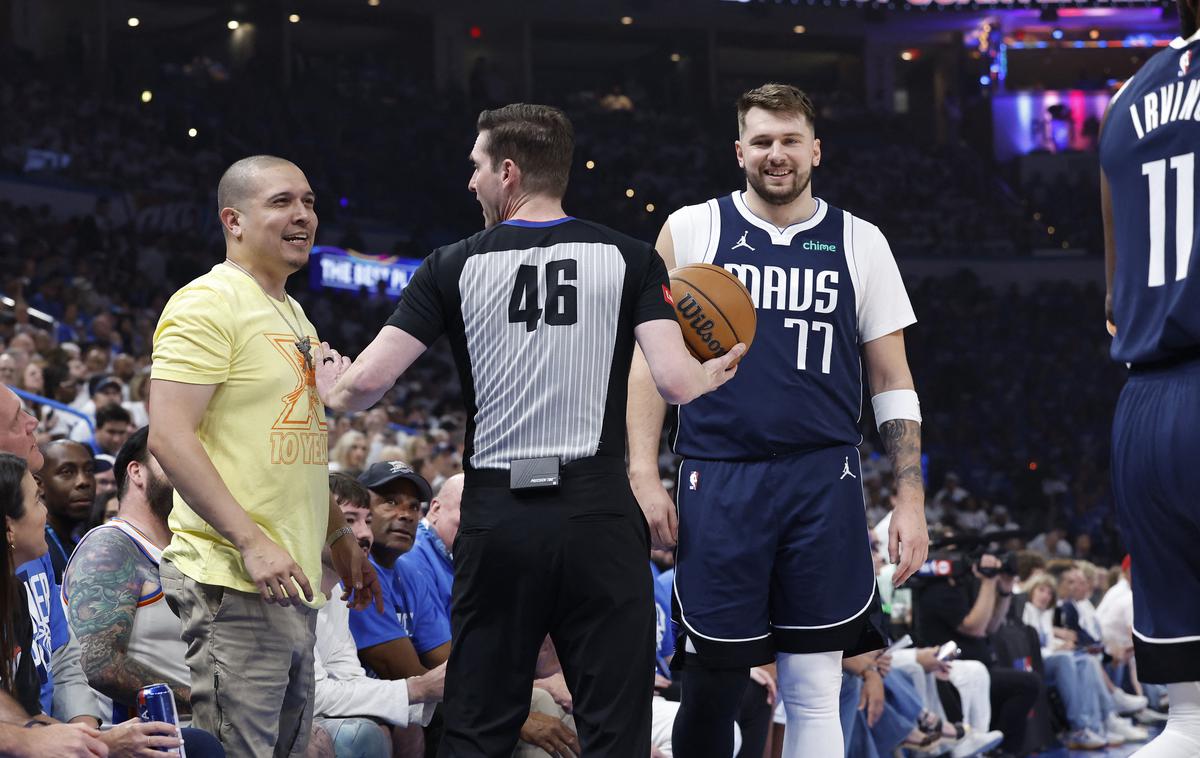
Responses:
[251,665]
[542,702]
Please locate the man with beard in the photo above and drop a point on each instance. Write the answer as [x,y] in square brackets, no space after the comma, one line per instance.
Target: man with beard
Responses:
[412,634]
[771,456]
[68,481]
[130,637]
[542,311]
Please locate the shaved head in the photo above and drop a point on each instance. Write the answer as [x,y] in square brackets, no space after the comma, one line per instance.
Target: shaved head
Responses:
[55,449]
[240,180]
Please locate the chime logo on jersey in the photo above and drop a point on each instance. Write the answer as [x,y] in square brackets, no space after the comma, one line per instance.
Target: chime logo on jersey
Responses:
[694,480]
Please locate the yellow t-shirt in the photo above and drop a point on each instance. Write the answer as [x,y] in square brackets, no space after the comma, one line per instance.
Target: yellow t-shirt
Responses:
[264,428]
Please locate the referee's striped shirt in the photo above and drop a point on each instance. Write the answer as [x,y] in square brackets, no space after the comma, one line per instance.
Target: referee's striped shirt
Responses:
[540,316]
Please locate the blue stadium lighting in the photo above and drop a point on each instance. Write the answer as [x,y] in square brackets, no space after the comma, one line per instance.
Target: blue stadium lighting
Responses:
[985,80]
[344,202]
[1057,34]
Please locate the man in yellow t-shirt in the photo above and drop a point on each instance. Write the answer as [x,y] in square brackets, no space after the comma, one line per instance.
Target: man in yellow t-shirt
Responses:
[237,425]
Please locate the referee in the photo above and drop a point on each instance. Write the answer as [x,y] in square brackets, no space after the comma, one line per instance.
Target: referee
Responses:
[542,310]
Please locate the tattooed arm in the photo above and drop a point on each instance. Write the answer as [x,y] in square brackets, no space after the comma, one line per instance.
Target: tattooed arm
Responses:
[103,584]
[908,538]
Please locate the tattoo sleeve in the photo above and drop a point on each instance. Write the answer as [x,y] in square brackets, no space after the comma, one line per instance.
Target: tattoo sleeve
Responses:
[902,443]
[103,585]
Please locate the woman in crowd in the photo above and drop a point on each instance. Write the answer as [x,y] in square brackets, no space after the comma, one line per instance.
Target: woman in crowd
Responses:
[349,455]
[25,521]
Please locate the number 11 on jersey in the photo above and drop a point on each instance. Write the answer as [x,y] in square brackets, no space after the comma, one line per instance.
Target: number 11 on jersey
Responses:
[1155,172]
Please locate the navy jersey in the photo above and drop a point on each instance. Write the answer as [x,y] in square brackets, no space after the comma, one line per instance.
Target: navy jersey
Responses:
[1148,152]
[821,287]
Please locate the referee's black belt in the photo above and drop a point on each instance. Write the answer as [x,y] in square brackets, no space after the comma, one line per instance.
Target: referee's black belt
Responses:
[596,464]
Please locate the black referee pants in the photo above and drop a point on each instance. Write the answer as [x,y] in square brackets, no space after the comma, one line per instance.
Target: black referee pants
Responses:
[572,563]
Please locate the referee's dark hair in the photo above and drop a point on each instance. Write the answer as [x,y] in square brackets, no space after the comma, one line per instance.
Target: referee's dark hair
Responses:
[538,138]
[134,449]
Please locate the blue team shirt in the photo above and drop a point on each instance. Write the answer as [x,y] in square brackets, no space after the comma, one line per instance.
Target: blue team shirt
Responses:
[821,289]
[410,609]
[1148,152]
[432,557]
[50,630]
[664,634]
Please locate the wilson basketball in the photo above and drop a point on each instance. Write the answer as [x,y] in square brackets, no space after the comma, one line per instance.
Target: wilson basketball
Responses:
[714,309]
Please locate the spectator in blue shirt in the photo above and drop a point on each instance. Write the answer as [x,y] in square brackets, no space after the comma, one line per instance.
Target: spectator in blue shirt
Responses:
[412,635]
[435,539]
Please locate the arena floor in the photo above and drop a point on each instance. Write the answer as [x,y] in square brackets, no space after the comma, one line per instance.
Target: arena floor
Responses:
[1117,752]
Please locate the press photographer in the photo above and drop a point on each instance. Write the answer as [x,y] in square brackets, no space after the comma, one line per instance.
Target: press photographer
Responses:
[968,606]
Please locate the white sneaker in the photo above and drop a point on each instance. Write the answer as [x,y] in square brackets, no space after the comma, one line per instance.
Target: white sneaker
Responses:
[1122,726]
[977,742]
[1150,716]
[1085,739]
[1128,704]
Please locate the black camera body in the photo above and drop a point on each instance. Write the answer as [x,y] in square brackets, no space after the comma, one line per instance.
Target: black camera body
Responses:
[1008,565]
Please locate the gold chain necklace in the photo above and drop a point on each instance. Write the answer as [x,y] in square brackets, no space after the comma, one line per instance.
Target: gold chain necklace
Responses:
[303,342]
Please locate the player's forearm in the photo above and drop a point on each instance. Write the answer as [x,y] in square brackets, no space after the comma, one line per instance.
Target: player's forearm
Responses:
[186,462]
[902,443]
[644,419]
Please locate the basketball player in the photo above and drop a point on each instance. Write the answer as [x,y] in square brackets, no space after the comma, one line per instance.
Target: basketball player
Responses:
[1148,148]
[542,310]
[774,561]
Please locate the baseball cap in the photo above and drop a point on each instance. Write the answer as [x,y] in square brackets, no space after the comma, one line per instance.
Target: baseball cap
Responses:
[103,462]
[100,381]
[380,474]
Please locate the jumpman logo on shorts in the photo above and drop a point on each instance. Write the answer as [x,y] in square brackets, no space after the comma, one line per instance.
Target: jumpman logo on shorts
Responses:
[846,472]
[743,243]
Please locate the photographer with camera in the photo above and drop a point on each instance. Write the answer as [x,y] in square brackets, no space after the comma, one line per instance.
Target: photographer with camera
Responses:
[968,608]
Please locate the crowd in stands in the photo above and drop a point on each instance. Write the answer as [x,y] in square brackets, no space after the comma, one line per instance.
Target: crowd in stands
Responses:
[1017,393]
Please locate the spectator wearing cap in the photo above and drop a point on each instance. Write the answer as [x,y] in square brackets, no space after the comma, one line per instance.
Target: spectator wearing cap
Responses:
[412,634]
[68,481]
[115,606]
[345,698]
[105,391]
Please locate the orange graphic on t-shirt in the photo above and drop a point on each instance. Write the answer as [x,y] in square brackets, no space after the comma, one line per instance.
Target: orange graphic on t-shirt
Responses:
[295,438]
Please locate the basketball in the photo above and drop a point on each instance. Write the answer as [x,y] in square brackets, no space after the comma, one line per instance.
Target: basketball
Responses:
[714,309]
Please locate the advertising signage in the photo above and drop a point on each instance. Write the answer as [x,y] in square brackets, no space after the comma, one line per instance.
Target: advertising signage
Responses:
[337,268]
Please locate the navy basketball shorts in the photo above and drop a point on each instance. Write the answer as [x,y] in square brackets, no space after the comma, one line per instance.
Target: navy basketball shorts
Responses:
[773,557]
[1156,483]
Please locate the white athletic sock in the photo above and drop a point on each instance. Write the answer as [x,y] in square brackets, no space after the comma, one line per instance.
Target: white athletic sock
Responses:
[1181,738]
[810,685]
